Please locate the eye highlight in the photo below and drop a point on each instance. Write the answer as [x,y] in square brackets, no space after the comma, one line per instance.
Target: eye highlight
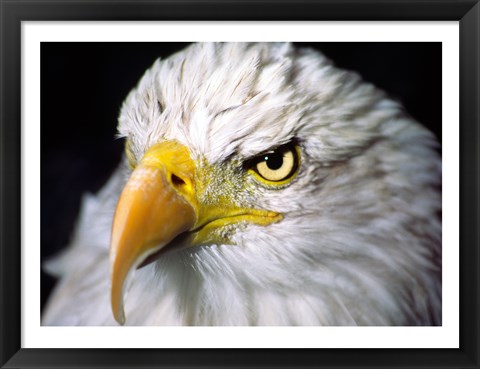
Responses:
[277,165]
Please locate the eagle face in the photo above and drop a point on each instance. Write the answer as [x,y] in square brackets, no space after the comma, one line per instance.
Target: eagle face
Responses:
[263,186]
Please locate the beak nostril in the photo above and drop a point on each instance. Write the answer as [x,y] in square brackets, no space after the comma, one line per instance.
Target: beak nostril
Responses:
[177,181]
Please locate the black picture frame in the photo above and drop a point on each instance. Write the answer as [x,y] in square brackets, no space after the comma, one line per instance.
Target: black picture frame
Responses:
[467,12]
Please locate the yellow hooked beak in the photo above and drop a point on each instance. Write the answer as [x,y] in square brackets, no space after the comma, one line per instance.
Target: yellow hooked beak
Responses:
[159,202]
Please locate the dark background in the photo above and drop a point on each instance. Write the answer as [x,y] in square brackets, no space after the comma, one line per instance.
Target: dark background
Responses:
[83,86]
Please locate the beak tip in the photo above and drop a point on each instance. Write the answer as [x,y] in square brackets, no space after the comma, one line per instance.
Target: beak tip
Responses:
[119,315]
[117,303]
[121,319]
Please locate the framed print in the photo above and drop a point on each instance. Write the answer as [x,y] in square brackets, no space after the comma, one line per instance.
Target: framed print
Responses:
[80,91]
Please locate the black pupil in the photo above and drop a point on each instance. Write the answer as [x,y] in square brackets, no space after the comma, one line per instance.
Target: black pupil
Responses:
[274,161]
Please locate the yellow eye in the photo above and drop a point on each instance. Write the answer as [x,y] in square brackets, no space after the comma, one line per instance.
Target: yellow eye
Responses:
[277,165]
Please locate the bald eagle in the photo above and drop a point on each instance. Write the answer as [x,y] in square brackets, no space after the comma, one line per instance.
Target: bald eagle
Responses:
[260,185]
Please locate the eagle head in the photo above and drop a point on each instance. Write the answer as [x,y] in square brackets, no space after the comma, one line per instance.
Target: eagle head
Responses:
[262,185]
